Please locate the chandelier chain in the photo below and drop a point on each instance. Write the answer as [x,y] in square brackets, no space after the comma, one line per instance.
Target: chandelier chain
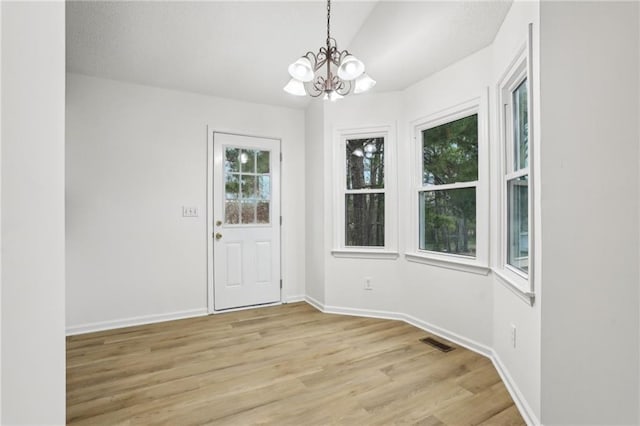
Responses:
[328,20]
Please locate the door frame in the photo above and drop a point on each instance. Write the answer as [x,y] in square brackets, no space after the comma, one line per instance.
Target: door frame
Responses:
[210,273]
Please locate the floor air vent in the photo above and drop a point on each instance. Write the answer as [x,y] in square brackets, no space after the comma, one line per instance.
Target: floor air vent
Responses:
[436,344]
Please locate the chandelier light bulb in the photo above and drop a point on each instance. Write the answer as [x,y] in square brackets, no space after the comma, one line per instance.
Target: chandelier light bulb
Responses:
[244,158]
[358,152]
[370,148]
[295,87]
[350,68]
[364,83]
[301,70]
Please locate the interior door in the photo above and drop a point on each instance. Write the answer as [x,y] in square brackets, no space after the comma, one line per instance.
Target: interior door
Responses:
[246,215]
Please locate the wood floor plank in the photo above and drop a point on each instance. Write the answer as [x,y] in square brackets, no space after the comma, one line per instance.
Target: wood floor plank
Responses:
[288,364]
[507,417]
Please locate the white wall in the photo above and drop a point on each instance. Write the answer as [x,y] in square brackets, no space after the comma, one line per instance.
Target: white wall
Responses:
[32,228]
[344,281]
[475,309]
[458,302]
[135,156]
[521,363]
[589,79]
[314,202]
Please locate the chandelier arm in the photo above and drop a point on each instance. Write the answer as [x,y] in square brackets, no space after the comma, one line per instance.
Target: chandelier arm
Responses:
[317,88]
[340,86]
[344,88]
[343,54]
[311,57]
[321,58]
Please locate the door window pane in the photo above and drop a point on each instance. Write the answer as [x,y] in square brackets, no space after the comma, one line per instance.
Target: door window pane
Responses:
[247,161]
[249,190]
[262,212]
[448,221]
[232,186]
[262,161]
[232,212]
[521,127]
[248,212]
[364,220]
[518,223]
[231,162]
[450,152]
[264,187]
[365,163]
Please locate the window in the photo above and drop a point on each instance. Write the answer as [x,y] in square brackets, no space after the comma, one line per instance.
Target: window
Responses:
[516,179]
[517,182]
[247,186]
[365,200]
[451,219]
[364,195]
[514,263]
[448,195]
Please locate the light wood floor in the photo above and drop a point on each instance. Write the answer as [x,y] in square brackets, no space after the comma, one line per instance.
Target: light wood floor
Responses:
[284,365]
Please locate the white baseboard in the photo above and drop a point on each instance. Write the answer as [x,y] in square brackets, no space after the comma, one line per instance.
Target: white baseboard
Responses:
[128,322]
[479,348]
[293,299]
[525,409]
[470,344]
[362,313]
[315,303]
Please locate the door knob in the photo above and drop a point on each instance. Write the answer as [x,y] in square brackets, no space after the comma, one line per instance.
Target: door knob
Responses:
[218,235]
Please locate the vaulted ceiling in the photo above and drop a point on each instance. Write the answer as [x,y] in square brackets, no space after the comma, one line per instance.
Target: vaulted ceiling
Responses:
[241,50]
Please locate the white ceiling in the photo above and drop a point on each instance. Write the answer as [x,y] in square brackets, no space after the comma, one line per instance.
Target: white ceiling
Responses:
[241,50]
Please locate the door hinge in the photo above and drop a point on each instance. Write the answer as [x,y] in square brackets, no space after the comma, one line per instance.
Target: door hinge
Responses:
[280,220]
[280,282]
[280,157]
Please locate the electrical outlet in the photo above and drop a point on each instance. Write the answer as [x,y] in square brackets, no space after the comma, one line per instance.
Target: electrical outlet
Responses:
[513,335]
[367,283]
[189,211]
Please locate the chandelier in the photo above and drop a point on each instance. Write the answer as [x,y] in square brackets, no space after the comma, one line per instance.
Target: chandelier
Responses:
[313,74]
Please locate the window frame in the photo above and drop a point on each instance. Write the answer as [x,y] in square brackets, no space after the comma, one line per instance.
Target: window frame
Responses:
[390,248]
[479,264]
[519,70]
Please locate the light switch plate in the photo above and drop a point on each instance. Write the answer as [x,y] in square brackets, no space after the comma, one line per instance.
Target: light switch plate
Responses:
[189,211]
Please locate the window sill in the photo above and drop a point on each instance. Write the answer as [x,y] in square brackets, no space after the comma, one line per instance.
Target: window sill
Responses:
[364,254]
[457,264]
[516,288]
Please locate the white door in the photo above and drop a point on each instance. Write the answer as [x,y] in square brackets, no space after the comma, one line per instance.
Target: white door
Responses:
[246,216]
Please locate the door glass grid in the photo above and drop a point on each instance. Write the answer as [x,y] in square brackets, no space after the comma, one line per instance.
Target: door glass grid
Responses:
[247,193]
